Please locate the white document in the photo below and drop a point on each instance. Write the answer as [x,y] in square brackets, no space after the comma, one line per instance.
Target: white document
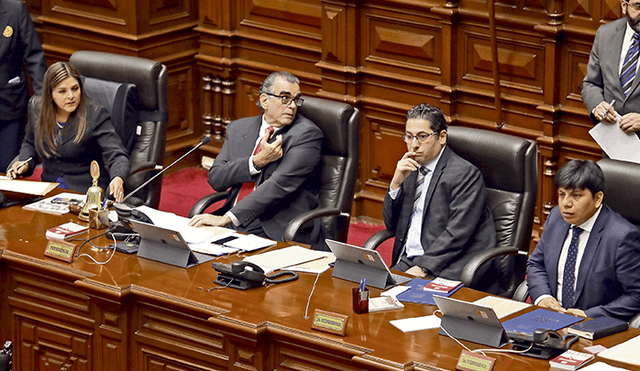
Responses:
[282,258]
[29,187]
[177,223]
[616,143]
[395,291]
[601,366]
[626,352]
[502,306]
[315,266]
[416,323]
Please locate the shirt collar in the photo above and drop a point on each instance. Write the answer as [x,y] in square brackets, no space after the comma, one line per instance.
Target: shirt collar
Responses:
[628,35]
[431,165]
[588,225]
[263,128]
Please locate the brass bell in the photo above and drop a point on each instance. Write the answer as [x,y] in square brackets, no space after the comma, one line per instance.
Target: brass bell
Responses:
[94,194]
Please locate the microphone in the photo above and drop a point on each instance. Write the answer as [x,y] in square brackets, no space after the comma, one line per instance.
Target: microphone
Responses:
[204,141]
[121,229]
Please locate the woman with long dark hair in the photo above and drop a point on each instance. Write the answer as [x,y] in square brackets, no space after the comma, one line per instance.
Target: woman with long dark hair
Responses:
[67,130]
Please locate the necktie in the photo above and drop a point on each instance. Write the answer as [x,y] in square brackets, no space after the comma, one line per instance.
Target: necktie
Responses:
[413,245]
[628,72]
[250,186]
[568,279]
[270,130]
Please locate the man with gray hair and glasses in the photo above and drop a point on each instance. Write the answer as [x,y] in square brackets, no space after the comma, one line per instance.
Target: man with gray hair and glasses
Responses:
[436,204]
[610,88]
[279,151]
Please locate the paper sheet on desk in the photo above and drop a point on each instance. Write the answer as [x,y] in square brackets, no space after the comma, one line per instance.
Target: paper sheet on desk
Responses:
[282,258]
[616,143]
[315,266]
[178,223]
[416,323]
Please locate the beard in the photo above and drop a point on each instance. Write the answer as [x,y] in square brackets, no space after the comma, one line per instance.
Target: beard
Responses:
[634,23]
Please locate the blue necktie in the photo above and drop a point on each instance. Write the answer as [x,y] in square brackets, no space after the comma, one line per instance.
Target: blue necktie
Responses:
[628,72]
[568,279]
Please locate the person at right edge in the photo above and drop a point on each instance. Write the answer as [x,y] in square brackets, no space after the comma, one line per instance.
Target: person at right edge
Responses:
[612,72]
[19,47]
[436,204]
[587,262]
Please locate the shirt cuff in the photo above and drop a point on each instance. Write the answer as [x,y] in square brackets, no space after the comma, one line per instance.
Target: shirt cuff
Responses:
[539,298]
[393,193]
[233,218]
[252,168]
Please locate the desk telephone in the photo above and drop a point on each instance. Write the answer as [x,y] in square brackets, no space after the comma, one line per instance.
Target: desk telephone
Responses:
[544,343]
[245,275]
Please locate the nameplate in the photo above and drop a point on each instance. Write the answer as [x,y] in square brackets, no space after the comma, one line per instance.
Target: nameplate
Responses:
[474,362]
[60,250]
[330,322]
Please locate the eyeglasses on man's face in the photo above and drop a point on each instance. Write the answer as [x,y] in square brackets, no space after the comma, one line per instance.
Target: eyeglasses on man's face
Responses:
[420,137]
[285,99]
[635,6]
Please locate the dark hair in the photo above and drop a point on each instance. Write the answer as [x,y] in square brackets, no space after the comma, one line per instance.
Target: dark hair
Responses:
[580,174]
[46,124]
[267,84]
[434,115]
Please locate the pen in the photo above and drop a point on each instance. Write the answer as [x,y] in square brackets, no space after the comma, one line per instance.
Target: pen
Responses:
[607,111]
[23,163]
[363,284]
[104,203]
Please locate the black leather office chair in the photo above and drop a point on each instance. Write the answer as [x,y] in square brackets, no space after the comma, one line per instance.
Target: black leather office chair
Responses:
[134,90]
[509,167]
[619,178]
[340,123]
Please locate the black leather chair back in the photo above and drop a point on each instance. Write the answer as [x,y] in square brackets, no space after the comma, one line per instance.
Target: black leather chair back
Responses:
[150,79]
[509,167]
[340,123]
[621,179]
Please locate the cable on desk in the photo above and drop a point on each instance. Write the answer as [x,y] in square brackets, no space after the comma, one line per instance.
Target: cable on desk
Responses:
[78,255]
[306,310]
[482,350]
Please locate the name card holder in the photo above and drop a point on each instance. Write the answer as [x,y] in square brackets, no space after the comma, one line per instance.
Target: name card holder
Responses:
[60,250]
[333,323]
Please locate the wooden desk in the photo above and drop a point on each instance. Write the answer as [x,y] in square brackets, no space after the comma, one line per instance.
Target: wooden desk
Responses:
[137,314]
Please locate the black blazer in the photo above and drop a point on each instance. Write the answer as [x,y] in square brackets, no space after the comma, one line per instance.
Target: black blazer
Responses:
[19,43]
[285,188]
[457,222]
[100,143]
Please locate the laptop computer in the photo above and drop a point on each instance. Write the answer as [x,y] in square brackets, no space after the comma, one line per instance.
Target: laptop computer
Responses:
[354,263]
[470,321]
[166,245]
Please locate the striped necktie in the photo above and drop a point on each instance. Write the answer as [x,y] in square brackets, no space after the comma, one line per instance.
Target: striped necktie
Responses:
[628,72]
[421,176]
[569,276]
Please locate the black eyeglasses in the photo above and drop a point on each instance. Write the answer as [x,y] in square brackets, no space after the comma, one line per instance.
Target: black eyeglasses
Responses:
[420,137]
[635,6]
[285,99]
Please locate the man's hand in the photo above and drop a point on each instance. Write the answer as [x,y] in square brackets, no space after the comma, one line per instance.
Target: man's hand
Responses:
[116,188]
[630,122]
[576,312]
[605,112]
[202,220]
[552,304]
[269,152]
[404,167]
[416,271]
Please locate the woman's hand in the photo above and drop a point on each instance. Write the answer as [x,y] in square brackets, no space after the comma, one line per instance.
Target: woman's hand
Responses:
[17,168]
[116,188]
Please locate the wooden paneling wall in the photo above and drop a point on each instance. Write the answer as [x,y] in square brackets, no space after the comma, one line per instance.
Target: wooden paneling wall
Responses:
[383,56]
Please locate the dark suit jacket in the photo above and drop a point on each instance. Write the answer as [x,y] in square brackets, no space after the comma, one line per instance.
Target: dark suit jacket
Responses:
[602,82]
[609,274]
[457,222]
[285,188]
[100,143]
[22,45]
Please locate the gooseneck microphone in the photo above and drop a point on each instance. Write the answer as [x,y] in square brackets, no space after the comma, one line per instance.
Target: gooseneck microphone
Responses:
[204,141]
[121,229]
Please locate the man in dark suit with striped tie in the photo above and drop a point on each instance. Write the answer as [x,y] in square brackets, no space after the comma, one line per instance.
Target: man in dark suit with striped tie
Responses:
[587,262]
[437,202]
[610,88]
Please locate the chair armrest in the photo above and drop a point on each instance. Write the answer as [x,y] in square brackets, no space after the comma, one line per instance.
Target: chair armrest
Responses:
[635,321]
[522,292]
[379,237]
[144,166]
[296,223]
[206,201]
[471,269]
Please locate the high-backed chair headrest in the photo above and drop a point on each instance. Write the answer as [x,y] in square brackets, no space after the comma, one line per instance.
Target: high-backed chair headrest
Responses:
[621,179]
[149,76]
[499,157]
[331,117]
